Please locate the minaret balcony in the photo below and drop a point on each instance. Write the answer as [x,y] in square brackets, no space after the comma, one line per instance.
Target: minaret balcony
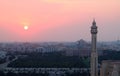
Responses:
[94,31]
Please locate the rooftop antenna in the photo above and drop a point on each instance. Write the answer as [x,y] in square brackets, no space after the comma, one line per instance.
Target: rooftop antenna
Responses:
[118,39]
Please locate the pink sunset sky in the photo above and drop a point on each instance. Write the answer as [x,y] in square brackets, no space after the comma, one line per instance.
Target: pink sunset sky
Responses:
[58,20]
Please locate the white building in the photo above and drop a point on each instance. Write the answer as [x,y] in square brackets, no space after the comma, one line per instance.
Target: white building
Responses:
[3,54]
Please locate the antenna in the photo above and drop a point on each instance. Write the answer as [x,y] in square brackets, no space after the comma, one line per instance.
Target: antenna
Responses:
[118,39]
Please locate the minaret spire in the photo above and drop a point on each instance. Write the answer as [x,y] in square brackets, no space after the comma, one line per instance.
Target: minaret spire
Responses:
[94,22]
[94,55]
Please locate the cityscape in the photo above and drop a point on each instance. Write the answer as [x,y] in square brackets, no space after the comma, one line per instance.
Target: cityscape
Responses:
[59,38]
[61,58]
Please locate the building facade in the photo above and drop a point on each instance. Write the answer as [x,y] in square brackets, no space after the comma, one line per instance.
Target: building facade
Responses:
[110,68]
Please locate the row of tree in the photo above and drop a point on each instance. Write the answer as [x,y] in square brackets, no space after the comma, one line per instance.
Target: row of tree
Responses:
[50,60]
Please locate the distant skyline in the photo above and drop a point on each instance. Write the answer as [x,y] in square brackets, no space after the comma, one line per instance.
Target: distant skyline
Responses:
[58,20]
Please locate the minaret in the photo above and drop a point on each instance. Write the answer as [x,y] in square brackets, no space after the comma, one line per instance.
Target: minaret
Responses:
[94,55]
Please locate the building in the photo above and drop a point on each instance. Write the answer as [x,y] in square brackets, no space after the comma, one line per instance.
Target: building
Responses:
[110,68]
[3,54]
[83,48]
[94,54]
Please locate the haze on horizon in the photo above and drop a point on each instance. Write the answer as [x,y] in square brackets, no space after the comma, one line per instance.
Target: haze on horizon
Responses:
[58,20]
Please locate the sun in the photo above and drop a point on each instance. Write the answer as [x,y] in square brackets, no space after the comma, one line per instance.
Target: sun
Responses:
[26,27]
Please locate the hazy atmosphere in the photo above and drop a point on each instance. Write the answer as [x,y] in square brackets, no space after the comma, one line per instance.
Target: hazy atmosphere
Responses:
[58,20]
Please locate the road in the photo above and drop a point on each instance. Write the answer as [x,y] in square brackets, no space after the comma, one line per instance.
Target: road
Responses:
[4,65]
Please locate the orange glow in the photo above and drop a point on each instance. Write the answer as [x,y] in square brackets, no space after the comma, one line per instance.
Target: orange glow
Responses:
[42,20]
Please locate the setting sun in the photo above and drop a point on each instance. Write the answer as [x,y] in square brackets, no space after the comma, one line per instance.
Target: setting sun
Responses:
[25,27]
